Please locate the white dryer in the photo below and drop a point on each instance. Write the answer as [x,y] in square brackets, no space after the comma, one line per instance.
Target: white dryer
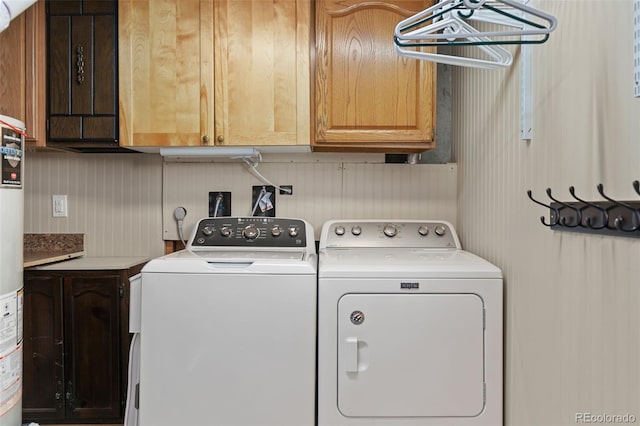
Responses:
[227,328]
[409,327]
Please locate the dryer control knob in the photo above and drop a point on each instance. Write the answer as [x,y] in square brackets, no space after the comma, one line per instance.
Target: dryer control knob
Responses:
[423,230]
[390,230]
[225,231]
[440,230]
[207,230]
[356,230]
[251,232]
[293,231]
[339,230]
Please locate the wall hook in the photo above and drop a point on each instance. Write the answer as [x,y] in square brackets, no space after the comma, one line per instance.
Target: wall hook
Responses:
[604,219]
[563,219]
[618,221]
[554,215]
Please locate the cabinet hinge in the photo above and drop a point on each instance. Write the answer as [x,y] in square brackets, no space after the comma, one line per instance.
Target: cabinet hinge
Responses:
[433,134]
[121,290]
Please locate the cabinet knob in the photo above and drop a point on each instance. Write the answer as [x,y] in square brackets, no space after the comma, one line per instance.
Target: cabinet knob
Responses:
[205,139]
[220,138]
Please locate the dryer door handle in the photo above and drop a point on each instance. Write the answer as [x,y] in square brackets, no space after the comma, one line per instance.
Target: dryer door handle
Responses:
[350,354]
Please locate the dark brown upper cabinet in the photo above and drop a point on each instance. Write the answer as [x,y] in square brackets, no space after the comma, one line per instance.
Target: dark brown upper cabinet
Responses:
[82,101]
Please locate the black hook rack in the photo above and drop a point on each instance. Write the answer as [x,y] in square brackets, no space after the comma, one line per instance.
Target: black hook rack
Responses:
[605,217]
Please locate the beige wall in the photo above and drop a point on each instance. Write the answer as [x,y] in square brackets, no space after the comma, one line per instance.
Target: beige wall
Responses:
[124,203]
[322,190]
[113,199]
[572,300]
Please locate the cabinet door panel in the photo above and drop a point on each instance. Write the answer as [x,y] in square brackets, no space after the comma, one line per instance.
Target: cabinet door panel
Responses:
[43,396]
[65,7]
[262,72]
[81,50]
[164,97]
[59,64]
[93,347]
[366,94]
[104,70]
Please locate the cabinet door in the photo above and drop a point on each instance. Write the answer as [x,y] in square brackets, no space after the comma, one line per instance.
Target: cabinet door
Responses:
[22,90]
[262,72]
[367,97]
[92,346]
[43,374]
[82,101]
[166,72]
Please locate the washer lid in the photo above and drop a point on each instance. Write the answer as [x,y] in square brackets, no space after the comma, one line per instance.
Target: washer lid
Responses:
[400,263]
[235,261]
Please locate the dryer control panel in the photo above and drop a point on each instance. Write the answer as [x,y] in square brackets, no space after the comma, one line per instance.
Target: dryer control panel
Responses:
[250,232]
[368,233]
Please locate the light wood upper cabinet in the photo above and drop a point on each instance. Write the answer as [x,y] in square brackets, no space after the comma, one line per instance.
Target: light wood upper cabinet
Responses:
[23,82]
[262,74]
[367,97]
[205,72]
[165,72]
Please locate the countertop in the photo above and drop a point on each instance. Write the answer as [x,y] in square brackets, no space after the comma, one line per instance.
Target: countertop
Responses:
[40,258]
[98,263]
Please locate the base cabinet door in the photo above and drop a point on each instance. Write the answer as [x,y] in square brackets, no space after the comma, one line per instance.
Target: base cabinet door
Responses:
[92,321]
[76,343]
[43,373]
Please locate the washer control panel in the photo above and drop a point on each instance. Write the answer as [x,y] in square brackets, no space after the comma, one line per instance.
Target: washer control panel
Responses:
[419,234]
[250,232]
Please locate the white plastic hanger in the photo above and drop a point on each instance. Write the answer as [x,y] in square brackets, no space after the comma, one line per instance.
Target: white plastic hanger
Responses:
[456,28]
[455,9]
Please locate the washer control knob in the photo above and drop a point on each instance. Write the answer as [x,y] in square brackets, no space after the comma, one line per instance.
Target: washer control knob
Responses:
[339,230]
[276,231]
[293,231]
[207,230]
[440,230]
[390,230]
[356,230]
[251,232]
[423,230]
[225,231]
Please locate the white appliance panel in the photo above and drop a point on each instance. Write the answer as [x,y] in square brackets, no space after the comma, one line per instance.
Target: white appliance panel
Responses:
[238,348]
[413,355]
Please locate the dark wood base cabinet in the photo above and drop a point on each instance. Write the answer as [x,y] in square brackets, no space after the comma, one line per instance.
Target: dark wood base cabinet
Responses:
[76,341]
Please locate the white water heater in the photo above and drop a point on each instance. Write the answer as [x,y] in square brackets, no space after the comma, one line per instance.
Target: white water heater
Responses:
[11,282]
[9,9]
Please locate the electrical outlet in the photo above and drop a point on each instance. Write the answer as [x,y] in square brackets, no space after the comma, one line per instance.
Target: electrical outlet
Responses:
[59,206]
[263,200]
[224,206]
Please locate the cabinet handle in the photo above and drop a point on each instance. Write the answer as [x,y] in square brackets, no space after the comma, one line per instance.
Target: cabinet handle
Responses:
[220,138]
[80,64]
[205,139]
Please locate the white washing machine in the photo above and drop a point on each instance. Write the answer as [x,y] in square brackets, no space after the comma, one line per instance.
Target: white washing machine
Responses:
[227,328]
[409,327]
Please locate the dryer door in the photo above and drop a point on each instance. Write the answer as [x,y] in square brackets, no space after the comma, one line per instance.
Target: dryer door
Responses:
[410,355]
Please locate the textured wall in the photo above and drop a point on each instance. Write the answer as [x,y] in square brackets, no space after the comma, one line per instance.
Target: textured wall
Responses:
[113,199]
[321,190]
[572,300]
[124,203]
